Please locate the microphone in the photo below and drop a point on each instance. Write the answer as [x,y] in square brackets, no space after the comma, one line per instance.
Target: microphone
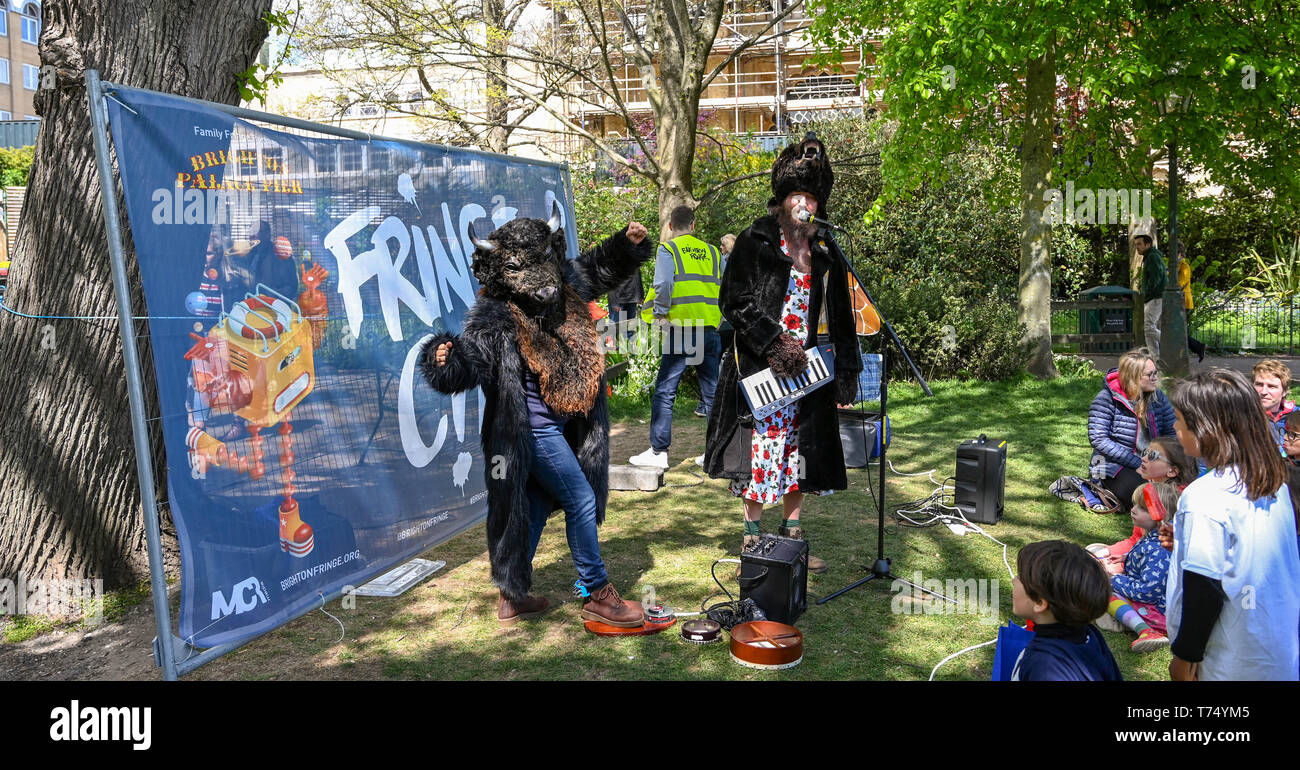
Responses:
[804,215]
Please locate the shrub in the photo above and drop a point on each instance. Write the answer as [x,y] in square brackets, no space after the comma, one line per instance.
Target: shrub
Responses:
[15,165]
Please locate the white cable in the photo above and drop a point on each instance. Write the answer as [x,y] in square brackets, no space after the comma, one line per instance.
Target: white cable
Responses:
[947,518]
[342,631]
[962,652]
[929,473]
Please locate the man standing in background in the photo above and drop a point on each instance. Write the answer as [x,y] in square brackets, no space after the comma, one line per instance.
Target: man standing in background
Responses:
[684,304]
[1153,290]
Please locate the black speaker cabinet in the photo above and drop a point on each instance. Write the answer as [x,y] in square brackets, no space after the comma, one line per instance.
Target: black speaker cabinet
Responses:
[981,479]
[775,575]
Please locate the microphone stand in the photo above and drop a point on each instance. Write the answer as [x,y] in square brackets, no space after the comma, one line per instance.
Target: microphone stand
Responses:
[834,248]
[881,567]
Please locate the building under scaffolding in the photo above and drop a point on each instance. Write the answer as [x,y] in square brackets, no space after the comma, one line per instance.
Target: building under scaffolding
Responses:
[768,89]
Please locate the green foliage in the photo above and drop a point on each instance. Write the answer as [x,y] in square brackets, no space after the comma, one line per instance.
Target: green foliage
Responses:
[732,208]
[940,262]
[1219,232]
[1275,278]
[256,82]
[1075,366]
[15,165]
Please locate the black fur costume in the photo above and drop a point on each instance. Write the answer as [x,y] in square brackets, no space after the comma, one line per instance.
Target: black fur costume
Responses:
[487,353]
[751,298]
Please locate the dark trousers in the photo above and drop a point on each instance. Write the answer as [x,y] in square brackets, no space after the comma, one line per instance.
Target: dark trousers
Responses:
[705,346]
[1123,484]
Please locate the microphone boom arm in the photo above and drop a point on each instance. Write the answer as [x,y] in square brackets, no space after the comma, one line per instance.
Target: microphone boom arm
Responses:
[884,322]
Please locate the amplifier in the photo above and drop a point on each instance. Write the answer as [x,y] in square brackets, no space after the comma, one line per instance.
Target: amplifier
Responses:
[981,479]
[775,575]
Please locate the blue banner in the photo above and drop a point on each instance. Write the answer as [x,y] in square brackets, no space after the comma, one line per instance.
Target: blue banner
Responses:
[291,279]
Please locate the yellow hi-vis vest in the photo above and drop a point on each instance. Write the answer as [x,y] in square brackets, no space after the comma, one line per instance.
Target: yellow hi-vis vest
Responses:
[697,279]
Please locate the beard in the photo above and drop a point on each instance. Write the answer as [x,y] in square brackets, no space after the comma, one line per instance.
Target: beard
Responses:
[793,229]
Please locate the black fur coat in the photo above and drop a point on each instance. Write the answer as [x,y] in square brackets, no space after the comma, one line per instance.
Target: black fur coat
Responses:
[751,298]
[487,354]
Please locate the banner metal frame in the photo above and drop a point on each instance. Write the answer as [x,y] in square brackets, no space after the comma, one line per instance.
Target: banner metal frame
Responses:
[172,654]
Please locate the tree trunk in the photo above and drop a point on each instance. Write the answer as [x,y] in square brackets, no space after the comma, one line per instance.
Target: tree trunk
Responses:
[675,122]
[69,498]
[496,100]
[1035,298]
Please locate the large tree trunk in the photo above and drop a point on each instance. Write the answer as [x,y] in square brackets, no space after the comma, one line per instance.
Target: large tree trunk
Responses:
[1035,299]
[69,499]
[675,115]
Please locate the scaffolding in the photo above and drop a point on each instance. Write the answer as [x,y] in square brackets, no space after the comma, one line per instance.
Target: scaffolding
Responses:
[767,90]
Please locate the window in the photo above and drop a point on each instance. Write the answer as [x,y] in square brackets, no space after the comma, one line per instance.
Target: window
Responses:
[4,23]
[31,77]
[247,161]
[4,115]
[31,23]
[351,157]
[326,161]
[273,160]
[4,71]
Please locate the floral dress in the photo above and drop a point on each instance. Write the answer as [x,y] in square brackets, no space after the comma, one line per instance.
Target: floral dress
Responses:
[774,448]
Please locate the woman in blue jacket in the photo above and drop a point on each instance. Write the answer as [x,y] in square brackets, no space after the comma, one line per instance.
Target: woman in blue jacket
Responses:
[1124,417]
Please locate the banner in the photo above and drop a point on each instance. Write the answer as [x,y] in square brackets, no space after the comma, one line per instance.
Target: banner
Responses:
[291,279]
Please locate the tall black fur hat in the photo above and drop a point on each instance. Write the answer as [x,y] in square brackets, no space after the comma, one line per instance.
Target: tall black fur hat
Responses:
[805,167]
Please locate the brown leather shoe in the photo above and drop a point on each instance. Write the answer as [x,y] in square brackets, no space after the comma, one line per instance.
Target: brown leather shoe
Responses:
[814,564]
[606,606]
[510,612]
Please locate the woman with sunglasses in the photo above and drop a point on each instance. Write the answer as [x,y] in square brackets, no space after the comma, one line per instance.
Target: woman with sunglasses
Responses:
[1124,417]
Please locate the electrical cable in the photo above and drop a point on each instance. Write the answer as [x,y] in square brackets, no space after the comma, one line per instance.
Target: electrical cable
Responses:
[934,506]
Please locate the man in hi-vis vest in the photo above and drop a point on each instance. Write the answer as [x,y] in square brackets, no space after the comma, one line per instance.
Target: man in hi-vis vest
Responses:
[683,303]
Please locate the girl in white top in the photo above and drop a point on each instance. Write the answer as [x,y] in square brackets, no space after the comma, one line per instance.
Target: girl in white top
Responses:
[1234,578]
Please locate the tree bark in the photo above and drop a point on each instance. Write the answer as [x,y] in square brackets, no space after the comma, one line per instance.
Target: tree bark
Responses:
[1035,296]
[496,99]
[70,503]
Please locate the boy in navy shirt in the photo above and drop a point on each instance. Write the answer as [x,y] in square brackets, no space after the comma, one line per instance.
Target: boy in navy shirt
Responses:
[1060,589]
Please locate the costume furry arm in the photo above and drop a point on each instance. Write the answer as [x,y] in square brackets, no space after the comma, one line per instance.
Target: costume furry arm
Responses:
[472,358]
[608,265]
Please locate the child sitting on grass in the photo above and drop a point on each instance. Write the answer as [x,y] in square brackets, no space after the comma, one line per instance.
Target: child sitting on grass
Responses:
[1138,582]
[1060,588]
[1163,460]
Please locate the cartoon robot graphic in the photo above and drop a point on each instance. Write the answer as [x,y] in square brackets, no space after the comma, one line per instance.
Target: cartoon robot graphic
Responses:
[257,362]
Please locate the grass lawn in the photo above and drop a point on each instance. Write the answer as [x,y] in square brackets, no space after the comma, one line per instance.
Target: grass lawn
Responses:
[666,541]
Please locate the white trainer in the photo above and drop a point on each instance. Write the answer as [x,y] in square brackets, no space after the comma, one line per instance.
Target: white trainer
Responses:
[651,458]
[700,461]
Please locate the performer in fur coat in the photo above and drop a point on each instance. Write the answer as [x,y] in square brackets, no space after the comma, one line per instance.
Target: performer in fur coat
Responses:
[529,342]
[784,292]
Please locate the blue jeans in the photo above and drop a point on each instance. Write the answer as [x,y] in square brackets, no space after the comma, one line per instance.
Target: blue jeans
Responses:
[685,342]
[557,477]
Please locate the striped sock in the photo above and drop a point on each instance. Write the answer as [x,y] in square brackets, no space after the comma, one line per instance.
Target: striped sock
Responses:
[1125,614]
[751,528]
